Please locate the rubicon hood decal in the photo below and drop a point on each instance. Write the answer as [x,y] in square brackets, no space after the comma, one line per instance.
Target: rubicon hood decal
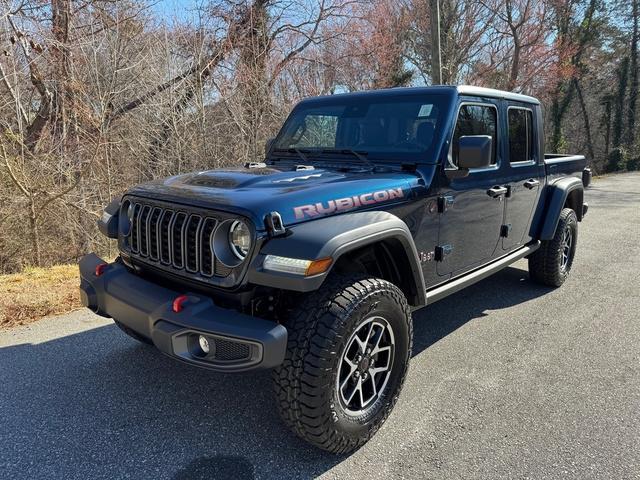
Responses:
[346,203]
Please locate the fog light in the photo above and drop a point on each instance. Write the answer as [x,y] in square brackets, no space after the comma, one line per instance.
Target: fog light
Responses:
[204,343]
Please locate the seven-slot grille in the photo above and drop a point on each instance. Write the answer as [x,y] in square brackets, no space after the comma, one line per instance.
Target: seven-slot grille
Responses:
[173,238]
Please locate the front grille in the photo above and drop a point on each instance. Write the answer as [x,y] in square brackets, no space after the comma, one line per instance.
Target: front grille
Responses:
[174,238]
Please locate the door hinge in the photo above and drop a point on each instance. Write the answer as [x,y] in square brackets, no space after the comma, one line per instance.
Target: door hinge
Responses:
[443,251]
[504,230]
[444,203]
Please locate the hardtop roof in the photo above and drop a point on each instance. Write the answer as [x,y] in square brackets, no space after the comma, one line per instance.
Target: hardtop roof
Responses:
[439,89]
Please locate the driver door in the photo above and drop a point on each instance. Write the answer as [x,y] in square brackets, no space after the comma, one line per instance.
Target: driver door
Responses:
[470,214]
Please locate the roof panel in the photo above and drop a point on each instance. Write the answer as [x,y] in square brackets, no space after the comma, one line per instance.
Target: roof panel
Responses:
[490,92]
[437,89]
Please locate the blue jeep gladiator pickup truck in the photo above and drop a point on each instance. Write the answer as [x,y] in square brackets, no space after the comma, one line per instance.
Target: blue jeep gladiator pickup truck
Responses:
[367,205]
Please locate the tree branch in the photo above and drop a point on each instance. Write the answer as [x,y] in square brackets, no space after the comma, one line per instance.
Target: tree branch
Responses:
[12,175]
[203,69]
[14,97]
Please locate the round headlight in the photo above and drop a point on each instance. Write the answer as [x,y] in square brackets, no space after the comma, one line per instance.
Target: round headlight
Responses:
[126,217]
[239,239]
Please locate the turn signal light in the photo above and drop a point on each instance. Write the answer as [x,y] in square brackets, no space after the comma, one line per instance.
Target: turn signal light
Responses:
[318,266]
[296,266]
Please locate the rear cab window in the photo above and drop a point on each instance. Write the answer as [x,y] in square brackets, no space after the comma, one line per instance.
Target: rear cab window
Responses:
[520,128]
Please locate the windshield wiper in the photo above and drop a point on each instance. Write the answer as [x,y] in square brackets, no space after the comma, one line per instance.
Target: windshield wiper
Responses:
[297,151]
[348,151]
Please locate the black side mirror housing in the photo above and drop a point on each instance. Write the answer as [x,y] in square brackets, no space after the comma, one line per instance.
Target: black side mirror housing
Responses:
[267,145]
[474,151]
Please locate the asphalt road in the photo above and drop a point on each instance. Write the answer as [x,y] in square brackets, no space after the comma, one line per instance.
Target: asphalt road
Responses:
[508,380]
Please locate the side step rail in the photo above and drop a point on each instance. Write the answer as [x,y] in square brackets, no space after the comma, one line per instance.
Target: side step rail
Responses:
[467,279]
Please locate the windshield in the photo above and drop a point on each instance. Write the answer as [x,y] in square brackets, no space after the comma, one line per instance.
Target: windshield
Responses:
[383,128]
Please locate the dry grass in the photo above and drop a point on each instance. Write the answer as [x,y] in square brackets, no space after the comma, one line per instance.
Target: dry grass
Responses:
[36,293]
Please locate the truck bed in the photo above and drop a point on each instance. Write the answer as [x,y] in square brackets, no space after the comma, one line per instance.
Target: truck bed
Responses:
[560,165]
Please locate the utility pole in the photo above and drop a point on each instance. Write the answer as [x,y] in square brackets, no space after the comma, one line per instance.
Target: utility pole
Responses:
[436,68]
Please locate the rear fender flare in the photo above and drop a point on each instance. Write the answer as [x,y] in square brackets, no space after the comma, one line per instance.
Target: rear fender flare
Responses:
[560,192]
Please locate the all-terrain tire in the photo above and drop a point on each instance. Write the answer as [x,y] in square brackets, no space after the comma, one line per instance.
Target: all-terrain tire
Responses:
[321,330]
[133,334]
[551,263]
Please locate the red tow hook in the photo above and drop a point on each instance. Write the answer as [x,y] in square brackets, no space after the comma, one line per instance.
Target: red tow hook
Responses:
[178,303]
[100,268]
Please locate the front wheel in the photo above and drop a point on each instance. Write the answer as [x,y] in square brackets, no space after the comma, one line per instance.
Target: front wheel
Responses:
[552,262]
[347,356]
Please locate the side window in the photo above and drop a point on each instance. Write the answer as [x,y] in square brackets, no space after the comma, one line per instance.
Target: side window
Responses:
[475,120]
[520,135]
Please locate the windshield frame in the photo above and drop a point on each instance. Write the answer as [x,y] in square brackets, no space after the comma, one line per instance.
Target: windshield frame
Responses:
[444,100]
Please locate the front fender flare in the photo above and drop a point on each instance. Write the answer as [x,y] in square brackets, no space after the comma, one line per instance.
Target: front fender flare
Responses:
[333,237]
[108,223]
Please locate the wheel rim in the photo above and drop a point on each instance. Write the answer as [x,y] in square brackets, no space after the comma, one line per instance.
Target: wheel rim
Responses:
[365,365]
[566,244]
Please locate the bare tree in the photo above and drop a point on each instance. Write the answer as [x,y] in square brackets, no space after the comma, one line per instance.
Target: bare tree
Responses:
[96,95]
[464,26]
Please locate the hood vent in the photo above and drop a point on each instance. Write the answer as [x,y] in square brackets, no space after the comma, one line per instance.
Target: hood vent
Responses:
[213,182]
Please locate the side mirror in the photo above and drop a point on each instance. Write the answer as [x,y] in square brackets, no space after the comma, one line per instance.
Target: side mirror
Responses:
[267,145]
[474,151]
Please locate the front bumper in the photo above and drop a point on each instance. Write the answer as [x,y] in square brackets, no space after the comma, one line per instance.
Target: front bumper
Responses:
[238,342]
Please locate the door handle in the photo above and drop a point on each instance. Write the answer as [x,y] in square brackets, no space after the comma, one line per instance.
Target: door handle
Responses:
[494,192]
[531,183]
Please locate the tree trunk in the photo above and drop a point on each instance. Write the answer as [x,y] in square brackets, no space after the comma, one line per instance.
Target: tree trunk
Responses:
[254,45]
[35,235]
[618,113]
[606,120]
[60,12]
[585,116]
[561,101]
[515,65]
[633,88]
[436,60]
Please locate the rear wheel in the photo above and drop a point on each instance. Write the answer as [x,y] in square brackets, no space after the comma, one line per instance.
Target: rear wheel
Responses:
[552,262]
[347,356]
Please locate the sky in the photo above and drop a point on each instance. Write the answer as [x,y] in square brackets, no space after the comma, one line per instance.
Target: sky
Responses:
[174,9]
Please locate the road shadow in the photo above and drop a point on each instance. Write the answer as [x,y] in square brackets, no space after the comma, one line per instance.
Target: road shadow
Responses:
[98,405]
[505,289]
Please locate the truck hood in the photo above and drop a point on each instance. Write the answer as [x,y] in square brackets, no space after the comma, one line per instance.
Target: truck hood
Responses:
[297,195]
